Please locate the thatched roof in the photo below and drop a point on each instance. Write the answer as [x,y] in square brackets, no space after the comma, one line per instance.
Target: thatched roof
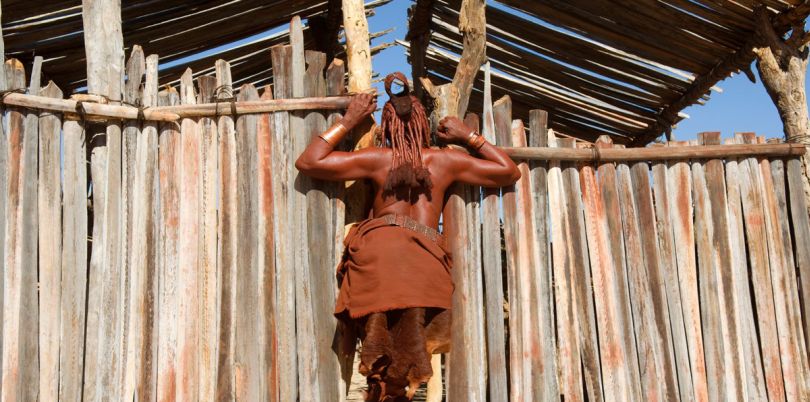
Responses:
[621,67]
[184,33]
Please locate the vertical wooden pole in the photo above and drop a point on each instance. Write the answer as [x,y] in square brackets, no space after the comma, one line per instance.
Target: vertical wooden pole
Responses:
[570,381]
[268,330]
[284,258]
[308,379]
[546,360]
[420,15]
[493,270]
[208,243]
[358,52]
[358,55]
[227,239]
[74,262]
[168,168]
[105,67]
[247,372]
[16,329]
[50,244]
[4,167]
[189,251]
[321,240]
[131,285]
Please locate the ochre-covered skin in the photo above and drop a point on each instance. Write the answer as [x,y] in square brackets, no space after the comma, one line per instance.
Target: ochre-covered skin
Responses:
[395,275]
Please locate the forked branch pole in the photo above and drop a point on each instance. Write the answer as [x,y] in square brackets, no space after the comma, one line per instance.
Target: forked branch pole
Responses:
[452,99]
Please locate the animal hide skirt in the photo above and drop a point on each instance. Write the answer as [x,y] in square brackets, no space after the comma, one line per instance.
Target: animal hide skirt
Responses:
[395,294]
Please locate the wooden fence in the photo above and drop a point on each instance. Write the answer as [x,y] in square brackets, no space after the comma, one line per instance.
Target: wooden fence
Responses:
[200,266]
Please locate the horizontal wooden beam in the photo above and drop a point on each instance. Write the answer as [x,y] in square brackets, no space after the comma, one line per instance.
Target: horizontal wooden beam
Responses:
[173,113]
[263,106]
[656,153]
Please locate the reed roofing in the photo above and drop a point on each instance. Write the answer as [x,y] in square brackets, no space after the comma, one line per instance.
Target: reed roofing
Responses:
[626,68]
[184,33]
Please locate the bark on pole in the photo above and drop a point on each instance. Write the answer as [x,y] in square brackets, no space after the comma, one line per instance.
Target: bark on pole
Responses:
[358,50]
[451,99]
[359,67]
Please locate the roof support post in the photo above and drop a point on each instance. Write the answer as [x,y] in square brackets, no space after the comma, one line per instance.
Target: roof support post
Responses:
[419,37]
[782,66]
[452,99]
[358,52]
[104,47]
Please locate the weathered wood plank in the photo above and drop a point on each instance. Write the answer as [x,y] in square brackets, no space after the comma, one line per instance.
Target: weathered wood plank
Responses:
[169,175]
[493,272]
[247,372]
[502,111]
[335,85]
[29,220]
[467,379]
[610,324]
[227,240]
[730,324]
[140,380]
[755,230]
[610,198]
[801,232]
[666,244]
[105,68]
[650,348]
[528,264]
[132,94]
[15,329]
[74,262]
[208,243]
[568,346]
[98,175]
[679,193]
[50,247]
[308,375]
[709,287]
[751,358]
[321,237]
[268,333]
[4,168]
[544,362]
[188,277]
[580,271]
[284,258]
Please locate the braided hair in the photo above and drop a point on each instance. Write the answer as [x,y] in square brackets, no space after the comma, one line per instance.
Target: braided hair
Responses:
[406,130]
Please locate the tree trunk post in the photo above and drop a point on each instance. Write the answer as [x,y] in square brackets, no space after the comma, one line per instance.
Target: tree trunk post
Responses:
[782,66]
[451,99]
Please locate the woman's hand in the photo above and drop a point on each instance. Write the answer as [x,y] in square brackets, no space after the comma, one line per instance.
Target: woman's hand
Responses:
[361,106]
[453,130]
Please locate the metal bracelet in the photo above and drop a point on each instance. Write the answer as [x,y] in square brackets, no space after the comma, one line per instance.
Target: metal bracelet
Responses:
[334,134]
[475,140]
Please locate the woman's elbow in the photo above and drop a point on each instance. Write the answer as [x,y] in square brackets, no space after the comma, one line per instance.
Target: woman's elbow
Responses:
[304,165]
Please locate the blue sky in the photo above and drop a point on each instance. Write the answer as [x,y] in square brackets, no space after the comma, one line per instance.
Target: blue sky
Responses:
[742,106]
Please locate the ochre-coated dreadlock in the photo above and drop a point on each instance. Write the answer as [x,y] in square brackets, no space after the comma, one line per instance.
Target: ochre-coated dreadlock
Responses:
[406,130]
